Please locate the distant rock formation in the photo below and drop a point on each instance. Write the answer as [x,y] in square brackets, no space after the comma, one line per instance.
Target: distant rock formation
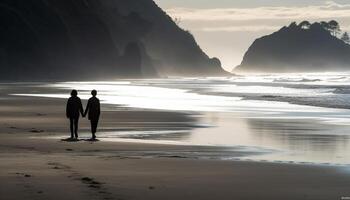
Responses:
[298,48]
[95,39]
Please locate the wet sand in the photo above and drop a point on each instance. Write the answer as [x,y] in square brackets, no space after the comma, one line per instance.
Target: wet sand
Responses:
[33,166]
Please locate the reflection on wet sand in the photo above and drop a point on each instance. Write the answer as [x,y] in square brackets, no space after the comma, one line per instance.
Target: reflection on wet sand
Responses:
[286,139]
[303,140]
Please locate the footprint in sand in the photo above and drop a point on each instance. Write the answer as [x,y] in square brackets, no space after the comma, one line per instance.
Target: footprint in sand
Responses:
[91,183]
[34,130]
[30,188]
[24,175]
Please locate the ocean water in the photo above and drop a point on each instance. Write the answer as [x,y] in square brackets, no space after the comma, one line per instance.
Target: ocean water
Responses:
[289,117]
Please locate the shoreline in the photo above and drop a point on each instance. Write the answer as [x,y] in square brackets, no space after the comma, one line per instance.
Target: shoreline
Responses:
[42,169]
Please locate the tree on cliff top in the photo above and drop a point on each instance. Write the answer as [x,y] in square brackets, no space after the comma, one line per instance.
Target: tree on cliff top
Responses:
[305,25]
[345,37]
[334,27]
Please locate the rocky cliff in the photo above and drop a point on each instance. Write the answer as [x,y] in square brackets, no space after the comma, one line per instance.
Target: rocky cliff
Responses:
[95,39]
[297,48]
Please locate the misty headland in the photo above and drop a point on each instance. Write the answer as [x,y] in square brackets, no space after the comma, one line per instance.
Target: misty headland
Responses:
[71,40]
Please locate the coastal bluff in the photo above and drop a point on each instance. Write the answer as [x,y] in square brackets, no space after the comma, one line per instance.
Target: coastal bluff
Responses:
[303,47]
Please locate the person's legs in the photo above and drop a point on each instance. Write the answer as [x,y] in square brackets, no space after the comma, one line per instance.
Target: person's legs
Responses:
[76,126]
[71,120]
[92,129]
[94,123]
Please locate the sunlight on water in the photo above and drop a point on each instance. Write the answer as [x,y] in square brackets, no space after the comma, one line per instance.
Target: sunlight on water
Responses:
[161,98]
[326,78]
[271,90]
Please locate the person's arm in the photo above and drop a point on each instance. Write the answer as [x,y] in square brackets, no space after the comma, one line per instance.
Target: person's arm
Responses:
[87,108]
[67,109]
[99,107]
[81,108]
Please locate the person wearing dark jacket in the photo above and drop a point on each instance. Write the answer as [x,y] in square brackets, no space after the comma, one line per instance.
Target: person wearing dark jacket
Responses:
[73,111]
[94,111]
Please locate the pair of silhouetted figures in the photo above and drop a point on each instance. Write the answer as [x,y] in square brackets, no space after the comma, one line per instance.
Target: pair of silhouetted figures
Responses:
[75,108]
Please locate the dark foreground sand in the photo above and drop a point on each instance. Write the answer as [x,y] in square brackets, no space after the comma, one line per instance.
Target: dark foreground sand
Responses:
[34,167]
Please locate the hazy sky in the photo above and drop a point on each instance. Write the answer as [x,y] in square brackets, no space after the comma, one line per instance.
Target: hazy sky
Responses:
[226,28]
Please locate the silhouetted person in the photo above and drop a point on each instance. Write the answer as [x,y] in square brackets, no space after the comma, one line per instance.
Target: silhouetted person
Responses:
[73,111]
[94,111]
